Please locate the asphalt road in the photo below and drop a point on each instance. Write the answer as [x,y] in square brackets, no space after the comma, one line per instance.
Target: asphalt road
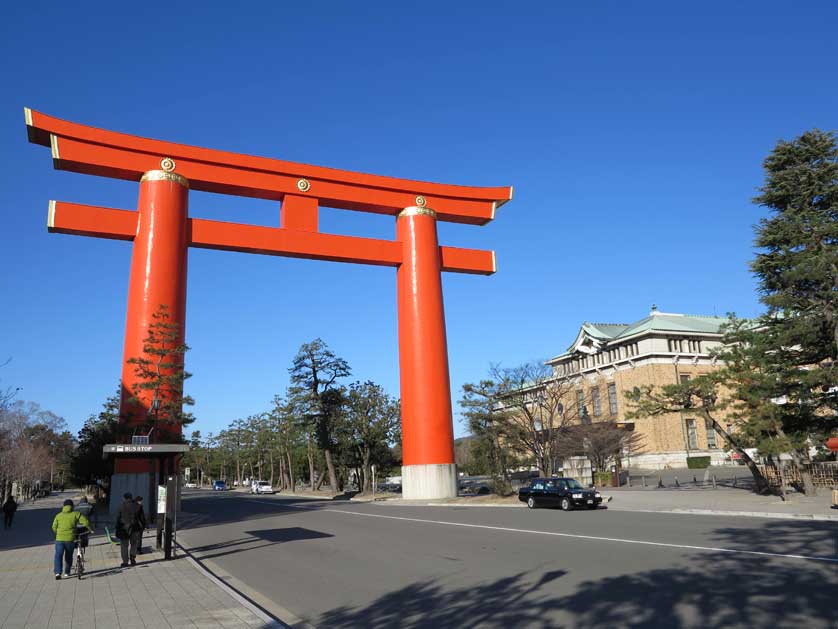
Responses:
[342,564]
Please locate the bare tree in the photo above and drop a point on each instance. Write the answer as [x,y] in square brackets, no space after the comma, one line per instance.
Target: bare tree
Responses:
[602,442]
[7,394]
[532,411]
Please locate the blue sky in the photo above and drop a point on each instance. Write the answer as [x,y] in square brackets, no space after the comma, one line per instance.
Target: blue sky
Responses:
[632,132]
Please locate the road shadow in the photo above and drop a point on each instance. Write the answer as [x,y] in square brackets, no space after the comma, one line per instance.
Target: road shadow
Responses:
[200,510]
[505,602]
[271,537]
[32,526]
[708,589]
[290,534]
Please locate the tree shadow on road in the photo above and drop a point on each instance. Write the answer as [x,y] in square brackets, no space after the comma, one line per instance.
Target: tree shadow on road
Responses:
[208,510]
[513,601]
[271,536]
[712,589]
[32,526]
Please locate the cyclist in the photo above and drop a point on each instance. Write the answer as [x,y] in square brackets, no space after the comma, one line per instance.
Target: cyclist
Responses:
[64,526]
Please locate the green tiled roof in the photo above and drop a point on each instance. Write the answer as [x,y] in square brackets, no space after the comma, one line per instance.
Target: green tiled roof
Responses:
[655,322]
[605,330]
[663,322]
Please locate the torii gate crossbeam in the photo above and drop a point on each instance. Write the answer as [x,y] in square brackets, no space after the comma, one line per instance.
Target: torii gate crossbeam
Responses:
[162,233]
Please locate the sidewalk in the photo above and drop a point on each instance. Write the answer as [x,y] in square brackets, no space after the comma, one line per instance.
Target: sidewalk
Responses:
[723,501]
[154,593]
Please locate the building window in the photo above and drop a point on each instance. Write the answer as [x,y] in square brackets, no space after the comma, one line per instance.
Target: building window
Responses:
[580,405]
[612,398]
[684,378]
[692,435]
[711,435]
[596,402]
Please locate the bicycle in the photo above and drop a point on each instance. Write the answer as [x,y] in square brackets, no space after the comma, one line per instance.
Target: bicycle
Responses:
[82,539]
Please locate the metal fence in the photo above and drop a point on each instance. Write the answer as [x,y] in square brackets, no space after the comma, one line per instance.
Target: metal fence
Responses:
[687,479]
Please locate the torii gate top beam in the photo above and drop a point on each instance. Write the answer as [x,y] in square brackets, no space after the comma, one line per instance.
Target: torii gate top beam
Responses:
[93,151]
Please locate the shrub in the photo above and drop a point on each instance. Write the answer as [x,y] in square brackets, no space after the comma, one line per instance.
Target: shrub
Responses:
[602,479]
[698,462]
[501,487]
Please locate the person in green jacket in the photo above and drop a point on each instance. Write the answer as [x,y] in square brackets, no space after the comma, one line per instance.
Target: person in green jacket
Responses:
[64,526]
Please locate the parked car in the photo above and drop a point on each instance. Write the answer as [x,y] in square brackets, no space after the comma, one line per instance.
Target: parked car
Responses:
[261,487]
[191,485]
[566,493]
[470,488]
[219,485]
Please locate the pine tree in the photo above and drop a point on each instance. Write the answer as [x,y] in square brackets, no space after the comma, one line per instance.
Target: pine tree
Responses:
[797,267]
[160,372]
[314,375]
[87,464]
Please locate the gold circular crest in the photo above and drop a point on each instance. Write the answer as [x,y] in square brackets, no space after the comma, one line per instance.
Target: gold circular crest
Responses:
[304,185]
[167,164]
[420,201]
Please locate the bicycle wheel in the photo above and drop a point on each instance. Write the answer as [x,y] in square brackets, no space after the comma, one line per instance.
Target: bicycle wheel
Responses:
[80,563]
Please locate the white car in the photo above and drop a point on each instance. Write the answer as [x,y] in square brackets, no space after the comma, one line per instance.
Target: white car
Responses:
[261,487]
[191,485]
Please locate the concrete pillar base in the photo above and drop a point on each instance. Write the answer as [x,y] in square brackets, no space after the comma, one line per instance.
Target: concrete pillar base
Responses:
[429,482]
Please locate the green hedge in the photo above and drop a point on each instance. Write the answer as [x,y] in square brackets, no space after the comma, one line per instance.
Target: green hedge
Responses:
[698,462]
[602,479]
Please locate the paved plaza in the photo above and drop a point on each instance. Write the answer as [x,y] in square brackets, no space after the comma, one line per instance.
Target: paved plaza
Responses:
[155,593]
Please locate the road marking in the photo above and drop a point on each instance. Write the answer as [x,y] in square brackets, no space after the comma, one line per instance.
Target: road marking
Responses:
[555,534]
[588,537]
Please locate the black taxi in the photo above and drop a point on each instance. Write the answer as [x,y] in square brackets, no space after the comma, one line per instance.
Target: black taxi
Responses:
[566,493]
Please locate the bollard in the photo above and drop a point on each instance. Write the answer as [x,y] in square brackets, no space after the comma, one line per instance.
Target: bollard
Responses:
[714,481]
[644,480]
[660,481]
[628,479]
[734,480]
[677,484]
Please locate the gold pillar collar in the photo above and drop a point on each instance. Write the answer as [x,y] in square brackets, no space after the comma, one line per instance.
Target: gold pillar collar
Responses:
[417,211]
[162,175]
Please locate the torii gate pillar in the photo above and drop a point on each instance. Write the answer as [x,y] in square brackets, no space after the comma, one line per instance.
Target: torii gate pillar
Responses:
[428,469]
[158,275]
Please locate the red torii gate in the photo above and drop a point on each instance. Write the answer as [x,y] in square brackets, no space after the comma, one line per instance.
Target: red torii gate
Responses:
[162,232]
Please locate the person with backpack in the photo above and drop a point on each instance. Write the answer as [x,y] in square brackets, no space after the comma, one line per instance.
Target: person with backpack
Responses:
[64,525]
[126,528]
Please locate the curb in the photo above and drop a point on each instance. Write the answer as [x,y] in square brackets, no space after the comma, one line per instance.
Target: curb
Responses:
[755,514]
[274,616]
[475,506]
